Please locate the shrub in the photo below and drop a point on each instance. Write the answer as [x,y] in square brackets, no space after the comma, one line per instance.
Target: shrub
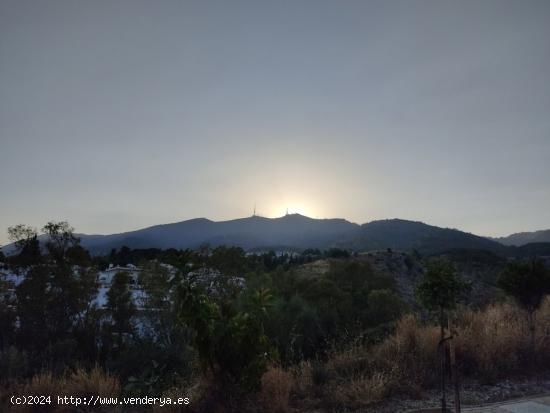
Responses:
[230,341]
[527,282]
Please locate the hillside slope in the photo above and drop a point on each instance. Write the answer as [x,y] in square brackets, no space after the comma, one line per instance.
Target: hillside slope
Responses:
[522,238]
[405,235]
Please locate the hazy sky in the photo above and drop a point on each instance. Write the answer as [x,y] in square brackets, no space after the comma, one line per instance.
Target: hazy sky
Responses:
[117,115]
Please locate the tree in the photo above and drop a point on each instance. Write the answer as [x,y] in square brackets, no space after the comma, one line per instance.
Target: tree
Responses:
[53,303]
[26,243]
[32,306]
[77,255]
[155,280]
[230,261]
[294,327]
[162,341]
[60,238]
[231,342]
[21,234]
[72,285]
[7,315]
[336,253]
[439,291]
[352,283]
[527,282]
[441,288]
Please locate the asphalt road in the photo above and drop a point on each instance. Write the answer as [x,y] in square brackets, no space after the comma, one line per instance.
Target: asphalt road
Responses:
[536,405]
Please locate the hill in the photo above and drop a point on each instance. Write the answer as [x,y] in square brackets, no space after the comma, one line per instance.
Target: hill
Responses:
[289,231]
[522,238]
[405,235]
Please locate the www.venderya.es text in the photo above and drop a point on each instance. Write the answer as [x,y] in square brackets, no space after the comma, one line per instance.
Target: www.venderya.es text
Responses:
[98,401]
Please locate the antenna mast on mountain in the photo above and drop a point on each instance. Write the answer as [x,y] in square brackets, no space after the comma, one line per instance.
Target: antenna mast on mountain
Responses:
[287,211]
[254,214]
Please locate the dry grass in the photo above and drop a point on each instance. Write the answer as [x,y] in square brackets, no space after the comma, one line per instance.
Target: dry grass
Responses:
[358,392]
[81,383]
[343,384]
[494,342]
[41,384]
[491,344]
[91,383]
[348,379]
[543,333]
[410,354]
[275,391]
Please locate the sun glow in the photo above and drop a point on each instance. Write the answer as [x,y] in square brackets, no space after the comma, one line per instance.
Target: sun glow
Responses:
[292,208]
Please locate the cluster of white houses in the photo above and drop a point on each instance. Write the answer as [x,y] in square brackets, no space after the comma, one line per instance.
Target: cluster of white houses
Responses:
[209,278]
[105,279]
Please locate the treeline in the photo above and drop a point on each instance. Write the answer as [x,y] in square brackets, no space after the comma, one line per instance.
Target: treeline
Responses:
[225,258]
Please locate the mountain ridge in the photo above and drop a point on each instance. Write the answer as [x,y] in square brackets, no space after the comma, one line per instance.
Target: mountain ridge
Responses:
[525,237]
[295,231]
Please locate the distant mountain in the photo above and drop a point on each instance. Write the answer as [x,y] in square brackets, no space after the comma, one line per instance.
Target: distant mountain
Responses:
[405,235]
[290,231]
[522,238]
[297,232]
